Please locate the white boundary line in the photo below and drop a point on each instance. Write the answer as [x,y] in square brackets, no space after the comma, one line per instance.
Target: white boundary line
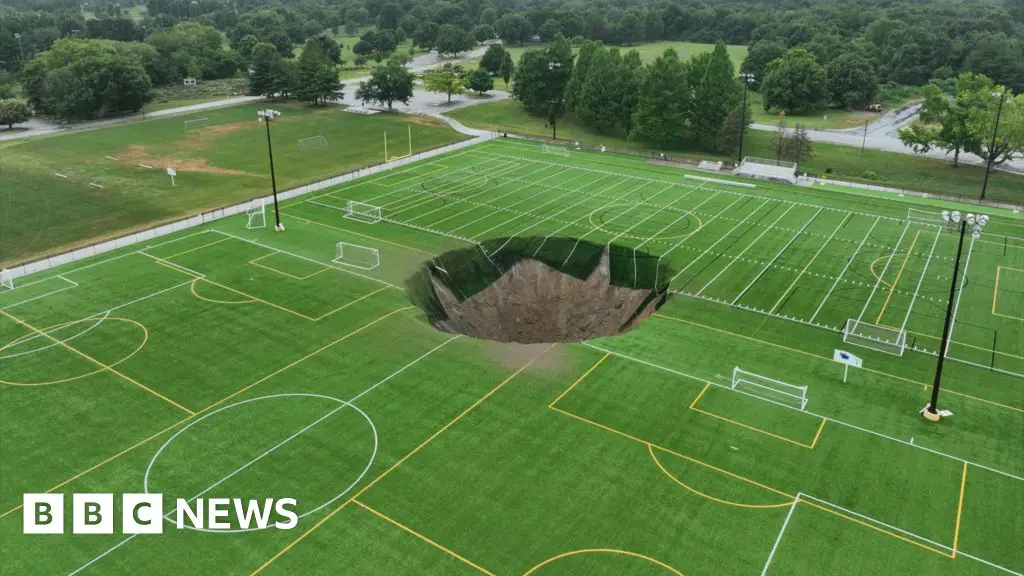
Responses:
[959,293]
[720,239]
[73,284]
[801,274]
[782,531]
[748,247]
[917,289]
[774,258]
[688,236]
[884,270]
[457,187]
[495,209]
[655,213]
[849,263]
[47,332]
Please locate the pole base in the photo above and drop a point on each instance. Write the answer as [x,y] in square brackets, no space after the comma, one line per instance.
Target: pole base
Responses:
[931,416]
[279,228]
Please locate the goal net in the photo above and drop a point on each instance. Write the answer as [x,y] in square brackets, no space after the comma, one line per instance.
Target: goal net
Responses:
[881,338]
[313,143]
[361,212]
[769,388]
[767,169]
[356,256]
[196,123]
[256,215]
[559,150]
[6,280]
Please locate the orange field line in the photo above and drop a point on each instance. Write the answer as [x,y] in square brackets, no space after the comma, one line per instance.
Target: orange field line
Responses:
[876,528]
[693,406]
[402,460]
[110,369]
[829,358]
[208,244]
[892,288]
[654,457]
[422,537]
[580,379]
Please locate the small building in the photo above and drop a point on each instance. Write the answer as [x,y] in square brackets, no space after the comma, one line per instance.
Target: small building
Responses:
[190,81]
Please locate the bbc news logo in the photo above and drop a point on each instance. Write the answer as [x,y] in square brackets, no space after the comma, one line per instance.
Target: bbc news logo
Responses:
[144,514]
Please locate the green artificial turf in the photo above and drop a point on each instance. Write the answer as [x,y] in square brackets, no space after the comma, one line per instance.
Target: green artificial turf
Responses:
[213,362]
[217,165]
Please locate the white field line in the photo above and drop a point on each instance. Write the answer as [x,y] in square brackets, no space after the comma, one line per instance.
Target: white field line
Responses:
[678,218]
[778,538]
[509,206]
[575,220]
[653,214]
[748,247]
[556,213]
[960,292]
[757,311]
[920,280]
[299,256]
[72,284]
[734,192]
[113,258]
[720,239]
[687,237]
[532,210]
[455,188]
[613,218]
[271,450]
[801,274]
[416,183]
[427,194]
[845,268]
[884,270]
[774,258]
[172,264]
[47,332]
[916,446]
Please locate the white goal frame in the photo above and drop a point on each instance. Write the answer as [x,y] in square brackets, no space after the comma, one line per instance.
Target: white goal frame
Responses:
[875,337]
[6,279]
[362,257]
[777,387]
[362,212]
[559,150]
[196,123]
[256,215]
[317,142]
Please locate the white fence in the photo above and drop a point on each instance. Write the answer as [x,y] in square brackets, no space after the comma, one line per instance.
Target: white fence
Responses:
[219,213]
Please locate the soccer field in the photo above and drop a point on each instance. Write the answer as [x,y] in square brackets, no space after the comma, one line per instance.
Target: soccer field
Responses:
[234,362]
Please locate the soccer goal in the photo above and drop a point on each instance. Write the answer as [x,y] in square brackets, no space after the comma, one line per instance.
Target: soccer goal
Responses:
[560,150]
[312,143]
[769,389]
[256,215]
[881,338]
[356,256]
[196,123]
[6,280]
[360,212]
[767,169]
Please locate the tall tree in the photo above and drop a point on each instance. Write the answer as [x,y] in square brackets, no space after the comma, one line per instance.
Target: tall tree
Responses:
[317,78]
[451,40]
[1009,137]
[388,84]
[507,69]
[574,89]
[444,80]
[426,35]
[480,81]
[946,123]
[715,92]
[852,81]
[660,118]
[759,56]
[542,75]
[493,58]
[13,112]
[795,83]
[265,65]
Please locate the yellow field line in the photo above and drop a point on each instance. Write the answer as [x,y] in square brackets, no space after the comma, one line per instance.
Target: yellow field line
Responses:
[829,359]
[402,460]
[192,289]
[806,266]
[217,403]
[650,450]
[995,291]
[256,262]
[357,300]
[892,288]
[422,537]
[308,221]
[959,510]
[580,379]
[818,434]
[654,561]
[958,343]
[208,244]
[700,395]
[876,528]
[693,406]
[97,362]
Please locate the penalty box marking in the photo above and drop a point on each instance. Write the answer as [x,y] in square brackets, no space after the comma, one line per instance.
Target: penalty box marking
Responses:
[814,442]
[257,262]
[995,292]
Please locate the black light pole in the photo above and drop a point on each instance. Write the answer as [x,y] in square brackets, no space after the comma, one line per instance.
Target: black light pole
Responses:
[747,78]
[21,52]
[976,223]
[995,130]
[268,116]
[553,111]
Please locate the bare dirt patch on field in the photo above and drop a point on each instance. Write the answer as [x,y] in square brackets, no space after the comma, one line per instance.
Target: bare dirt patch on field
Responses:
[137,154]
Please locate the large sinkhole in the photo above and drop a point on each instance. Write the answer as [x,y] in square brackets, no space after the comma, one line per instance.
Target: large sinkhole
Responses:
[536,289]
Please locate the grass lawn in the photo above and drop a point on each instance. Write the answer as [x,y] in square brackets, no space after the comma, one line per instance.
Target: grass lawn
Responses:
[650,51]
[220,164]
[230,363]
[842,162]
[178,95]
